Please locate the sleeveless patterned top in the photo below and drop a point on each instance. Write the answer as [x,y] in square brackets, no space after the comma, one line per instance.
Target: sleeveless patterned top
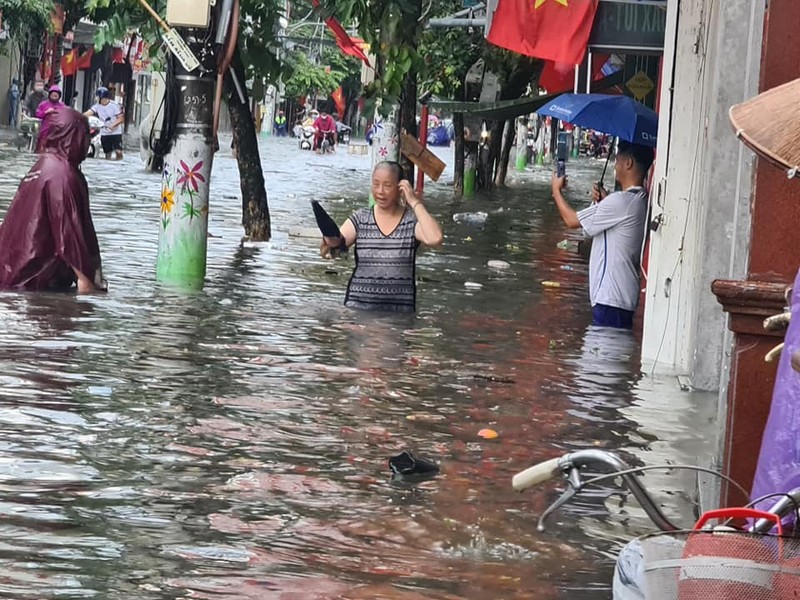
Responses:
[384,277]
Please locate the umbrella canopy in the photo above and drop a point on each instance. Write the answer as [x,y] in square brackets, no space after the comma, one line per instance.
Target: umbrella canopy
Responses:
[619,116]
[768,125]
[325,222]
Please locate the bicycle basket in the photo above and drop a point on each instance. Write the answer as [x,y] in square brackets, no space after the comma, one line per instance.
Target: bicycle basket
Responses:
[721,565]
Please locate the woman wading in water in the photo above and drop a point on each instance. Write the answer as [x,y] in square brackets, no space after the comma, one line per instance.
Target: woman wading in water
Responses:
[386,238]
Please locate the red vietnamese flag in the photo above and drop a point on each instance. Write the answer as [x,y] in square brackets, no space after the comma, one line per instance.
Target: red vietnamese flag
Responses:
[556,30]
[338,99]
[84,61]
[346,44]
[68,63]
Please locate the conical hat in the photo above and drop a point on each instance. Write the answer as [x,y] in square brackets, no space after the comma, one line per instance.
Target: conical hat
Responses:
[769,124]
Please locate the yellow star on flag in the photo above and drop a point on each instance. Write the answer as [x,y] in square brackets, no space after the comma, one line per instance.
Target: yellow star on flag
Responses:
[540,2]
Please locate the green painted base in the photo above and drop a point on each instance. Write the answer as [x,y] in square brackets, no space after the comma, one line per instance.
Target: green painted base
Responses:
[184,263]
[574,153]
[371,202]
[539,159]
[469,182]
[521,162]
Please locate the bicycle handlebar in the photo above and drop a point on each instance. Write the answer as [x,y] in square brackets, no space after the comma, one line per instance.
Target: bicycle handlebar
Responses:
[537,474]
[569,464]
[548,469]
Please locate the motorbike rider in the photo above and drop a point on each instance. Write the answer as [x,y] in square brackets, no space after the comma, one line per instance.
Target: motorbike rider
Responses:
[46,108]
[324,126]
[34,99]
[112,116]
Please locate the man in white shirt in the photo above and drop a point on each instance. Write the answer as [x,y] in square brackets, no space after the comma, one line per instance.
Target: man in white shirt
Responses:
[112,116]
[616,223]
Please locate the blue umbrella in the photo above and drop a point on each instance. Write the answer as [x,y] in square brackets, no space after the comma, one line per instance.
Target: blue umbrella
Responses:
[620,116]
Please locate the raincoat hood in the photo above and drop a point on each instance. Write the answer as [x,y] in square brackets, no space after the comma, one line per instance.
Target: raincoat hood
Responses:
[68,135]
[48,233]
[54,88]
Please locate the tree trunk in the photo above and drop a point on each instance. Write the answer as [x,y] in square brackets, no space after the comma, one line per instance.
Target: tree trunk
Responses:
[130,102]
[408,118]
[489,164]
[505,154]
[255,209]
[458,149]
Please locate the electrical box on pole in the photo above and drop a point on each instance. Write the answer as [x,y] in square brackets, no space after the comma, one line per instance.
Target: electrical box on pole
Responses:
[189,13]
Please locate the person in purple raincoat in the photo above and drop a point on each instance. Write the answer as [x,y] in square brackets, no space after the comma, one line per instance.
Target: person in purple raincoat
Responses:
[45,110]
[47,238]
[778,468]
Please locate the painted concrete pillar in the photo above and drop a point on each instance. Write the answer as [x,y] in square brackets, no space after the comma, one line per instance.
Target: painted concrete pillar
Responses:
[385,144]
[183,231]
[522,144]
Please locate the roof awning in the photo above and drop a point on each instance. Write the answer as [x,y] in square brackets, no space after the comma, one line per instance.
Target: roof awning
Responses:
[509,109]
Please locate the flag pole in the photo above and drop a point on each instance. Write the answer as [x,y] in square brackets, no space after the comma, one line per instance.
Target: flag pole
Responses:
[577,79]
[589,72]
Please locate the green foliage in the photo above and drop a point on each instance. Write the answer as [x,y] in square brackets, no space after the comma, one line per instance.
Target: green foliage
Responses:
[448,54]
[27,15]
[116,18]
[392,29]
[258,38]
[257,28]
[308,78]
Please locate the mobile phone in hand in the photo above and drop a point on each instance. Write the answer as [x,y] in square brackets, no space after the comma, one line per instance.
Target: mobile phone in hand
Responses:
[561,168]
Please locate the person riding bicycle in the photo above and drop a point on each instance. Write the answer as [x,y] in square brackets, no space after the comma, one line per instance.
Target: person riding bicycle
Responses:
[324,126]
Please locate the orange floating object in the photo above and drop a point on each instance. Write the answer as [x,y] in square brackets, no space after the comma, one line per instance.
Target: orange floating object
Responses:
[488,434]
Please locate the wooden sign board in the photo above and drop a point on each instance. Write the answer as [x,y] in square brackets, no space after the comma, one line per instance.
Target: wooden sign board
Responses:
[422,157]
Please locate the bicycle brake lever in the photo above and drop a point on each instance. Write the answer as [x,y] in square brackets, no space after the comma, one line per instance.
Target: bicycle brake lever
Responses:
[575,486]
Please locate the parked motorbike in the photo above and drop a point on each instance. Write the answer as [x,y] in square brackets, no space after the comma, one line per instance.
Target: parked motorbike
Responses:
[343,133]
[28,132]
[95,125]
[307,138]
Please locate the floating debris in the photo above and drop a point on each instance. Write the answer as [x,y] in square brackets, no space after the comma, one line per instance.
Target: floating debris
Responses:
[488,434]
[498,264]
[475,218]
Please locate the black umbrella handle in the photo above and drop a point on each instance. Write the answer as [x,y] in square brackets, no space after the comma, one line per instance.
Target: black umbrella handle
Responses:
[608,156]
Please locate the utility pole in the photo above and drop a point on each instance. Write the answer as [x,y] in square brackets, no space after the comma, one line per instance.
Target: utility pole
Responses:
[185,180]
[183,235]
[385,142]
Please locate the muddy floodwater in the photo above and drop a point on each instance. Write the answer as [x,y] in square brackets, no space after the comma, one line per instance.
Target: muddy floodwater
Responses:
[232,443]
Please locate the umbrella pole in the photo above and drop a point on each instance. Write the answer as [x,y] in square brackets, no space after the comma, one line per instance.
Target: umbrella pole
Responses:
[608,156]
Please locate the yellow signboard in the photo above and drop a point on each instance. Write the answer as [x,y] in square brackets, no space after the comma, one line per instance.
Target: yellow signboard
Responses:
[640,85]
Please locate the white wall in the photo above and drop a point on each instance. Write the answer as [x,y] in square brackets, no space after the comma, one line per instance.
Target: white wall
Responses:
[701,186]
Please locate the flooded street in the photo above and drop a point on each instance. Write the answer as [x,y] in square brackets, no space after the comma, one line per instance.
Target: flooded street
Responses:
[232,443]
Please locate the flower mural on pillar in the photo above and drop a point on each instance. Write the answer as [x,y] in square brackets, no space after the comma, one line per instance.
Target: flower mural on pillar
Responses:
[190,180]
[167,199]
